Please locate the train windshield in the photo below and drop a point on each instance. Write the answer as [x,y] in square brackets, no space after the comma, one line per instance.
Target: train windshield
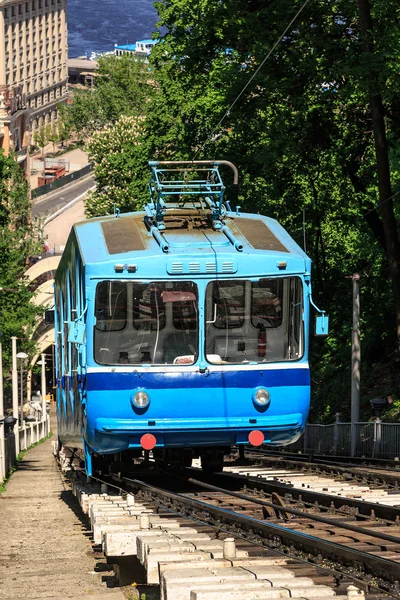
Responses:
[146,323]
[254,321]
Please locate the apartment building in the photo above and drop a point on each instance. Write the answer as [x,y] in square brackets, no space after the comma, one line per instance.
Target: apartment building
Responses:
[33,69]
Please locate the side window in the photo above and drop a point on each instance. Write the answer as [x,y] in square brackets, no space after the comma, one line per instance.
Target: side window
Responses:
[72,295]
[66,304]
[59,324]
[296,309]
[111,306]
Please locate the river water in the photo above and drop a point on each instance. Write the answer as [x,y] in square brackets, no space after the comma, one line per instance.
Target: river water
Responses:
[96,25]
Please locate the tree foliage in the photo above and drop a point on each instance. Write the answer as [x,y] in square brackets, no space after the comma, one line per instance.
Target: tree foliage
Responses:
[122,87]
[115,153]
[302,136]
[302,132]
[19,239]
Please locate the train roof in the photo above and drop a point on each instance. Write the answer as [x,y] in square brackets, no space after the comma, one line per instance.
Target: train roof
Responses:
[126,237]
[187,228]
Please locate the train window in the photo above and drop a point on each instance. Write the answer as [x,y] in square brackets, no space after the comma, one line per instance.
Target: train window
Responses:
[254,321]
[266,303]
[295,349]
[148,306]
[162,326]
[184,306]
[228,300]
[111,306]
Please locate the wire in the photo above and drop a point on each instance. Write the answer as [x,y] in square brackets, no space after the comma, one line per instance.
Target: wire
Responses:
[381,204]
[252,77]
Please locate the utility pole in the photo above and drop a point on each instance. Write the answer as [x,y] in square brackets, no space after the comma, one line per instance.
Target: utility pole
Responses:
[14,374]
[2,435]
[355,363]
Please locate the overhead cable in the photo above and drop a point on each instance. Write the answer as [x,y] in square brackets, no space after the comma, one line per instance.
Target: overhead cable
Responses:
[253,76]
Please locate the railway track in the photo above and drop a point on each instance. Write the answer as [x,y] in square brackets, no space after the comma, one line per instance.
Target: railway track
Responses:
[366,553]
[374,474]
[365,461]
[336,541]
[208,529]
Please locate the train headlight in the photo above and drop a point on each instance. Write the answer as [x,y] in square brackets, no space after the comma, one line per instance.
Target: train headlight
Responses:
[261,396]
[141,399]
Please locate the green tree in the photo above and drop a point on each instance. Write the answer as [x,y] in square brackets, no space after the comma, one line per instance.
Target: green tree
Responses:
[64,132]
[41,137]
[116,153]
[19,239]
[302,136]
[314,130]
[53,136]
[122,87]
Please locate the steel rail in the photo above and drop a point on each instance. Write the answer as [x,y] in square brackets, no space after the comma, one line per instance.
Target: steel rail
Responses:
[351,461]
[376,566]
[299,513]
[390,478]
[365,508]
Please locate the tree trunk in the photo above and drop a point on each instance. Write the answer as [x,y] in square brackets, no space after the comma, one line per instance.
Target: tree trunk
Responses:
[382,162]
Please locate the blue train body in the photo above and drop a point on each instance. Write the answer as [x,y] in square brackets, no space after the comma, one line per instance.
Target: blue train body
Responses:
[182,326]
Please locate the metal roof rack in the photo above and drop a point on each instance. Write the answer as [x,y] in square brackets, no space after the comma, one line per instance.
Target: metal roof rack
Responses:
[168,191]
[174,184]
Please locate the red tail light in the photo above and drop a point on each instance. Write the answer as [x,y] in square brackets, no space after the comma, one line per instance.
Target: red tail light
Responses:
[148,441]
[256,437]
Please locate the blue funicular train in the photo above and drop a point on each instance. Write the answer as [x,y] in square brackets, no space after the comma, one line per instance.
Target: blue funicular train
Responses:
[182,329]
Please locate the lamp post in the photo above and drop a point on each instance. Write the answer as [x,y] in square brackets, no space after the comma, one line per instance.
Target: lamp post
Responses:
[42,364]
[2,440]
[22,356]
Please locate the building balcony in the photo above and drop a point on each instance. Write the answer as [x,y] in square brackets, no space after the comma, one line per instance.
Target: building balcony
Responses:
[21,155]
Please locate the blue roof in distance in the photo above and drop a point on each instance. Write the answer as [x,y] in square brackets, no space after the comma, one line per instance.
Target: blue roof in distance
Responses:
[131,47]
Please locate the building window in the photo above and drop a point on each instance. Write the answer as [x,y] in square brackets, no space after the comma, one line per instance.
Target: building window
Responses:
[5,13]
[20,9]
[13,11]
[40,3]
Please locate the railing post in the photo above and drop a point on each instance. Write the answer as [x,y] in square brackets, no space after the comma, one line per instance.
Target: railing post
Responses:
[355,363]
[377,437]
[336,433]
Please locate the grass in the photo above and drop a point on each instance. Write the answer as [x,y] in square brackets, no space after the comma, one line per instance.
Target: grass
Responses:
[20,457]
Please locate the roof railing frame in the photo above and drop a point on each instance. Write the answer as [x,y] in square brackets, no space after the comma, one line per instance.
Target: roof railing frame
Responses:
[212,188]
